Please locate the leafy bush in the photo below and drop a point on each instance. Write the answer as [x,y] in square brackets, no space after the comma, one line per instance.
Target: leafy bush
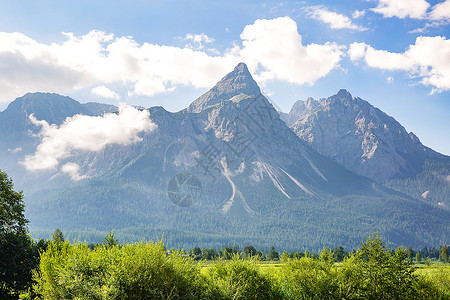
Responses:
[241,279]
[133,271]
[377,272]
[308,278]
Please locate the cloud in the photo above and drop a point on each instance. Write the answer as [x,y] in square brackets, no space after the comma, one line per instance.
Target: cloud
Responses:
[198,40]
[414,9]
[73,170]
[428,59]
[333,19]
[358,14]
[273,49]
[440,11]
[104,92]
[97,59]
[86,133]
[15,150]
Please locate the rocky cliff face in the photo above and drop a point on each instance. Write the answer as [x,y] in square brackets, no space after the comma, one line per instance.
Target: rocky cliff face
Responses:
[359,136]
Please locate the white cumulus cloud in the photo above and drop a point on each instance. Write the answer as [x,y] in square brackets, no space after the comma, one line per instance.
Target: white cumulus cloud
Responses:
[427,59]
[86,133]
[273,49]
[333,19]
[97,59]
[104,92]
[415,9]
[440,11]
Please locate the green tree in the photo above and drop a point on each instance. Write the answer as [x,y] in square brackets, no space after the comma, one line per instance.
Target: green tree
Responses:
[249,251]
[418,257]
[18,254]
[12,219]
[285,256]
[110,240]
[339,253]
[410,253]
[375,272]
[196,253]
[209,254]
[443,254]
[272,255]
[58,236]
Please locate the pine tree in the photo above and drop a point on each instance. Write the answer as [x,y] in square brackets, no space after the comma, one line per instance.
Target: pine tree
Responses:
[443,254]
[272,255]
[410,253]
[418,257]
[58,236]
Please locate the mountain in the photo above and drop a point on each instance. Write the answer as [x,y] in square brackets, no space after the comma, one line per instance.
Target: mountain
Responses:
[367,141]
[359,136]
[239,81]
[225,170]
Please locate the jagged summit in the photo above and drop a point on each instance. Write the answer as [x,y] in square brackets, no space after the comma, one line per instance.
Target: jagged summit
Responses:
[239,81]
[360,137]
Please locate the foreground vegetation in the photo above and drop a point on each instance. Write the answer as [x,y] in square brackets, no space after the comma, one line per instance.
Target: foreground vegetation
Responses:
[147,271]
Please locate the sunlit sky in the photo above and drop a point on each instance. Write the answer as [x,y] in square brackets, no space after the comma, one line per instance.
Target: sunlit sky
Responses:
[393,53]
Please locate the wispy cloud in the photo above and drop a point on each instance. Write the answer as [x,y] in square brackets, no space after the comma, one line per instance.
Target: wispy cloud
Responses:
[437,15]
[333,19]
[198,40]
[416,9]
[358,14]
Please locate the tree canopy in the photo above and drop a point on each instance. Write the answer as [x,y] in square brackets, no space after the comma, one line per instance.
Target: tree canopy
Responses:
[12,219]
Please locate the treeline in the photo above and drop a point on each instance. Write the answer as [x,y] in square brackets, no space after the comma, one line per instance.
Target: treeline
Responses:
[339,253]
[146,270]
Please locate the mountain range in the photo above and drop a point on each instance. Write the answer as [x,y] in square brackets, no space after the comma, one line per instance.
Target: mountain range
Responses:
[231,169]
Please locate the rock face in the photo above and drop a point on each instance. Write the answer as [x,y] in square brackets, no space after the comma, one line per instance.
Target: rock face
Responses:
[359,136]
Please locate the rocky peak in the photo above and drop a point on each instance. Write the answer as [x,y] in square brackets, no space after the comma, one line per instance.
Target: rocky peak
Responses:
[237,82]
[362,138]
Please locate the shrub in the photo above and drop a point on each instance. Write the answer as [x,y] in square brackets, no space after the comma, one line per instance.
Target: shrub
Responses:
[241,279]
[133,271]
[376,272]
[308,278]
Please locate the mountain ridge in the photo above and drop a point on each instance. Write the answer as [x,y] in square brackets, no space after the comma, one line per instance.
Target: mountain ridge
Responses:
[360,137]
[260,183]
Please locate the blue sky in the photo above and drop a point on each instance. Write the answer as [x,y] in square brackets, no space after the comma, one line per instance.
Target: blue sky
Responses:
[395,54]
